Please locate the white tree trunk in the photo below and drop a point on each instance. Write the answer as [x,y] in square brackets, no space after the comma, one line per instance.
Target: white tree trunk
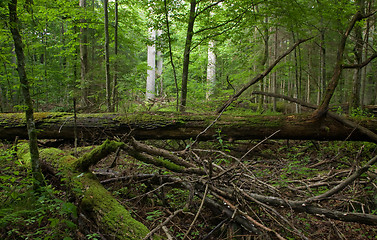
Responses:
[151,72]
[211,69]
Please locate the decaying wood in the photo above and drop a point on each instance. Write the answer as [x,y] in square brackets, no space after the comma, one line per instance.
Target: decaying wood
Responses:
[174,126]
[95,202]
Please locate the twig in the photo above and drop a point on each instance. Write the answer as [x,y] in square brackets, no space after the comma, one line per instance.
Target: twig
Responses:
[150,234]
[344,183]
[197,213]
[250,218]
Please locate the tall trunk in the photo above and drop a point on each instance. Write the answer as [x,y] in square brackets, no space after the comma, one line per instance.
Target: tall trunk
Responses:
[264,61]
[84,57]
[274,77]
[211,69]
[186,55]
[358,51]
[107,58]
[151,78]
[115,76]
[171,53]
[32,132]
[159,64]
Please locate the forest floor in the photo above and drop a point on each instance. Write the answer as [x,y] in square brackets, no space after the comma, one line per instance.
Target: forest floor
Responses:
[292,170]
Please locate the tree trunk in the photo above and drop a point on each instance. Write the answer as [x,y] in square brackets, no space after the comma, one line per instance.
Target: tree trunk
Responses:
[151,72]
[159,64]
[323,108]
[95,202]
[186,54]
[211,69]
[30,131]
[174,126]
[84,58]
[107,57]
[358,51]
[115,76]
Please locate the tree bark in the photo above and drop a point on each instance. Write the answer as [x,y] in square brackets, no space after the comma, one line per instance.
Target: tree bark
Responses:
[151,72]
[84,57]
[115,76]
[211,69]
[174,126]
[30,131]
[107,57]
[186,54]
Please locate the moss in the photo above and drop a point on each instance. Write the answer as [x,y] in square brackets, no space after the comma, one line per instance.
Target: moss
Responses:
[89,159]
[111,217]
[108,212]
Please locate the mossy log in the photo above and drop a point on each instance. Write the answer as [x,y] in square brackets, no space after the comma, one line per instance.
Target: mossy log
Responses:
[96,203]
[174,126]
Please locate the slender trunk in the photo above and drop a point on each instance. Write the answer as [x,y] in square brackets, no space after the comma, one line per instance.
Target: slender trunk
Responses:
[107,57]
[115,76]
[211,69]
[308,77]
[264,61]
[151,78]
[32,132]
[171,53]
[274,77]
[84,57]
[159,64]
[186,55]
[358,51]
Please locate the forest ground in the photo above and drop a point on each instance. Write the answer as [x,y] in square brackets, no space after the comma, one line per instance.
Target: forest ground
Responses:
[289,169]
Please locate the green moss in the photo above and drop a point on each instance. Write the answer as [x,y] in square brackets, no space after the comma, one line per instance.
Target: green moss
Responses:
[109,213]
[89,159]
[111,217]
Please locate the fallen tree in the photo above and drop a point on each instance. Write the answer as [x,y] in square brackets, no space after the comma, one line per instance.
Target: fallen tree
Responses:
[96,204]
[174,126]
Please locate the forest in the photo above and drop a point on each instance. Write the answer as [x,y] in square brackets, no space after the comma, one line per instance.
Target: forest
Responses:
[188,119]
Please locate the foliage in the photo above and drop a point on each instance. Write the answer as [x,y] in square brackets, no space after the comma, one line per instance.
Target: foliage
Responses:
[26,214]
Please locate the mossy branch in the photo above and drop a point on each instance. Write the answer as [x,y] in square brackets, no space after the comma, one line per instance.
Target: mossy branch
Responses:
[89,159]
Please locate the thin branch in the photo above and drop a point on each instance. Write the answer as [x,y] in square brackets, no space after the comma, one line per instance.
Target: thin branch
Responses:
[150,234]
[198,212]
[344,183]
[208,7]
[363,64]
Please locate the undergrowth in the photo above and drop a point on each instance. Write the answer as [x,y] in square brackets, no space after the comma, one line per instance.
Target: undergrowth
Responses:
[27,214]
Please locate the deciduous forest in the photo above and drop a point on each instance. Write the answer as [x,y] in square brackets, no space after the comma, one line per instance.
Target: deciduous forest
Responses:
[188,119]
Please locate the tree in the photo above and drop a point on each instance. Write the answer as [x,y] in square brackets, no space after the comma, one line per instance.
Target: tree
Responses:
[84,56]
[151,72]
[107,56]
[29,113]
[211,69]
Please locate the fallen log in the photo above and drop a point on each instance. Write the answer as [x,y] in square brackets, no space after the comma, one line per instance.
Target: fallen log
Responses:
[174,126]
[95,202]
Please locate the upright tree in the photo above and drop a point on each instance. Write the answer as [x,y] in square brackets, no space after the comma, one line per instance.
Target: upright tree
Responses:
[211,69]
[115,75]
[32,132]
[84,56]
[151,72]
[107,55]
